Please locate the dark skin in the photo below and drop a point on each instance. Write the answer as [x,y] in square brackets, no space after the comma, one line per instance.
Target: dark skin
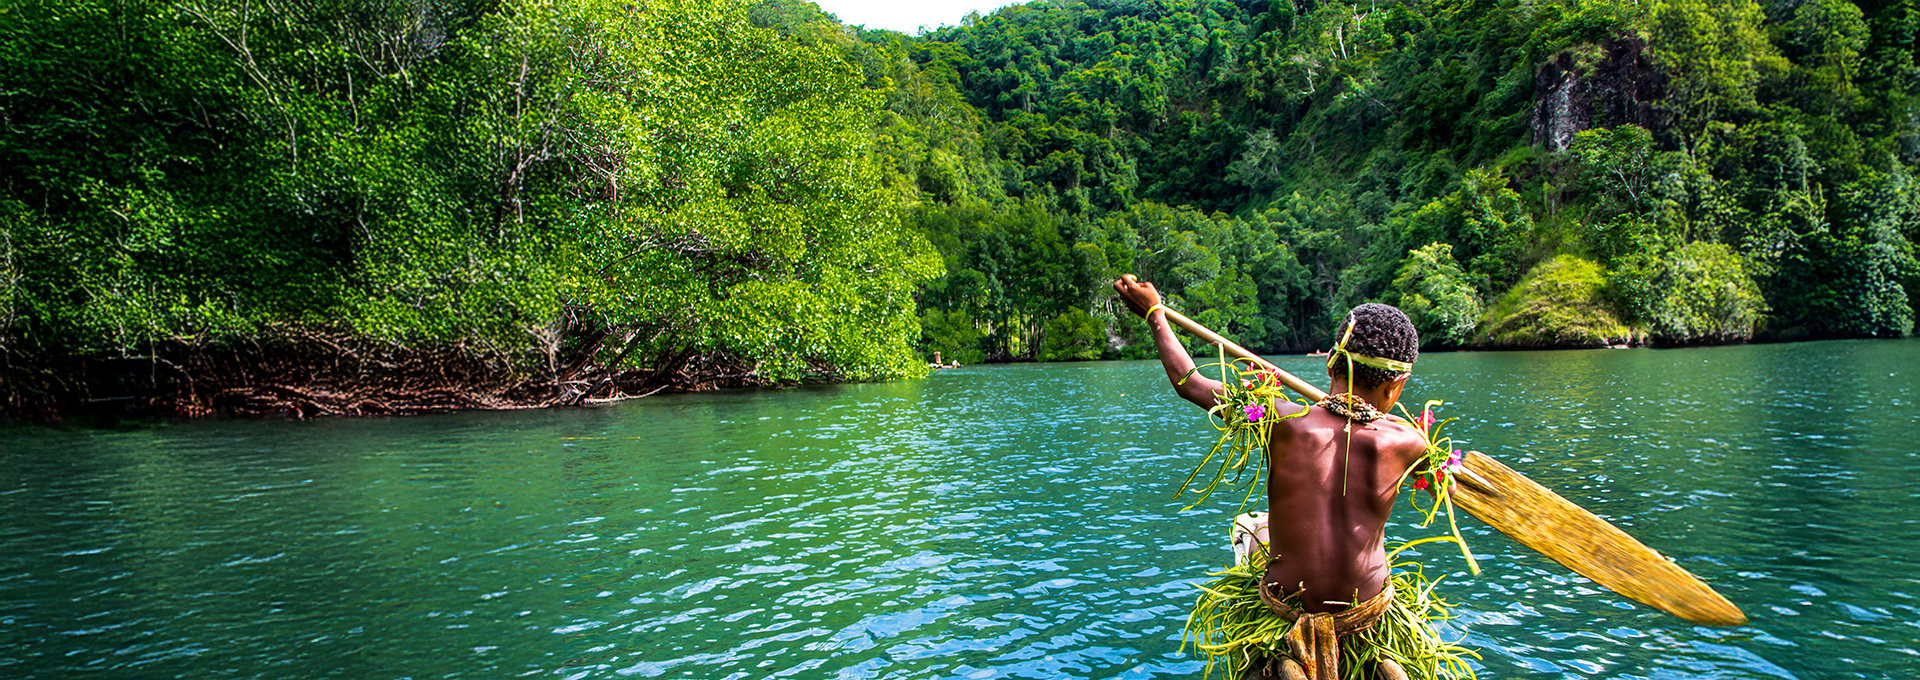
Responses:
[1328,544]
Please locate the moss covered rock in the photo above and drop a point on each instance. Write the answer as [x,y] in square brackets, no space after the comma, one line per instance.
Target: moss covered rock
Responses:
[1560,303]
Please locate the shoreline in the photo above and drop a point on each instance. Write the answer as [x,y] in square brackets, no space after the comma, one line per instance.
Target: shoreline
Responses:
[301,379]
[1302,354]
[274,387]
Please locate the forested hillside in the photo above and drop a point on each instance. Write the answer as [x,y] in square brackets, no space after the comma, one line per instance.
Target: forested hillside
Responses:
[389,206]
[1552,173]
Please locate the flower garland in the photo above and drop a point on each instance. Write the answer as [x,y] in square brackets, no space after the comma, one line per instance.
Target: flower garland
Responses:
[1438,469]
[1244,420]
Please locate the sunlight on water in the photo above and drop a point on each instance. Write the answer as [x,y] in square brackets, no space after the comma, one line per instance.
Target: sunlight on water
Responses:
[993,522]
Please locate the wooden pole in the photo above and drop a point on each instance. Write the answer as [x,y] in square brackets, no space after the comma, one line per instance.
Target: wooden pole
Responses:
[1290,380]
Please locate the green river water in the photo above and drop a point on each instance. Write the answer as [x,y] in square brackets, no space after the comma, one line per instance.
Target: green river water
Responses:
[991,522]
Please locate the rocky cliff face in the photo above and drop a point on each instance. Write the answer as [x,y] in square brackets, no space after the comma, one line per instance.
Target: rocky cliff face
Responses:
[1623,87]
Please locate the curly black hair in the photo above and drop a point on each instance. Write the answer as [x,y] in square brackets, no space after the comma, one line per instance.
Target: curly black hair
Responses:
[1378,331]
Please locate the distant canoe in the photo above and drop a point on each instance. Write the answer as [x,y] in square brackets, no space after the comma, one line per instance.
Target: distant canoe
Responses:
[1316,353]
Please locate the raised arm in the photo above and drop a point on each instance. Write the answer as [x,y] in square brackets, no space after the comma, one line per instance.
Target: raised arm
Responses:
[1140,297]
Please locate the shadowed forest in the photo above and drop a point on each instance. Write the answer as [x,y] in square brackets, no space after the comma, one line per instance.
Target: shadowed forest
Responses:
[385,206]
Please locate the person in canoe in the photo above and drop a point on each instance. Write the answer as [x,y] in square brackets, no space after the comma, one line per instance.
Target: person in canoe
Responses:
[1321,598]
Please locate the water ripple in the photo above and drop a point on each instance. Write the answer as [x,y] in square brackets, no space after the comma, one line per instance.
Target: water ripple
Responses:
[999,522]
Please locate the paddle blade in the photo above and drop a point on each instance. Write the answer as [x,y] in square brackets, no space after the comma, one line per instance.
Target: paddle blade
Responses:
[1540,519]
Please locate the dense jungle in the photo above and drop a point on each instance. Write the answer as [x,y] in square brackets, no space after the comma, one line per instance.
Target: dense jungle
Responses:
[354,207]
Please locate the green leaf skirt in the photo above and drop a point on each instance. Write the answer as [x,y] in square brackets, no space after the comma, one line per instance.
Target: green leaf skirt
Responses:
[1233,627]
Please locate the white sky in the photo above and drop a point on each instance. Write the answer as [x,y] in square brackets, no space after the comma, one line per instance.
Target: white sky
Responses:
[908,16]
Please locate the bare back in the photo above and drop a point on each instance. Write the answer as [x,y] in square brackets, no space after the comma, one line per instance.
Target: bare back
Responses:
[1329,542]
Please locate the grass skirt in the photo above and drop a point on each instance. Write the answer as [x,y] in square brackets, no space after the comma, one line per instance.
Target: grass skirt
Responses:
[1232,626]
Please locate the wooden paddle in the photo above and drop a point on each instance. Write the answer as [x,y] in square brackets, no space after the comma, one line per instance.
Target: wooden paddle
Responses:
[1542,520]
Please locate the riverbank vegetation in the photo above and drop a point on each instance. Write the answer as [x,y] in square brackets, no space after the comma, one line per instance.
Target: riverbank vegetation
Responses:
[369,207]
[1571,173]
[374,206]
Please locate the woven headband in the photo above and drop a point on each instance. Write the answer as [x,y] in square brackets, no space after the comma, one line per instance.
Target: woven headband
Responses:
[1383,364]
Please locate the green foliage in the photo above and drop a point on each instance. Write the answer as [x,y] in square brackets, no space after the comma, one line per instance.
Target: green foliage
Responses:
[1700,293]
[516,180]
[1561,302]
[530,183]
[1353,133]
[952,334]
[764,227]
[1852,278]
[1827,39]
[1260,165]
[10,293]
[1485,219]
[1436,295]
[1074,335]
[1636,204]
[1718,54]
[1009,271]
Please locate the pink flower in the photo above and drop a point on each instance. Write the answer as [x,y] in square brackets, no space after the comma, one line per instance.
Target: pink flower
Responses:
[1425,420]
[1255,412]
[1455,460]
